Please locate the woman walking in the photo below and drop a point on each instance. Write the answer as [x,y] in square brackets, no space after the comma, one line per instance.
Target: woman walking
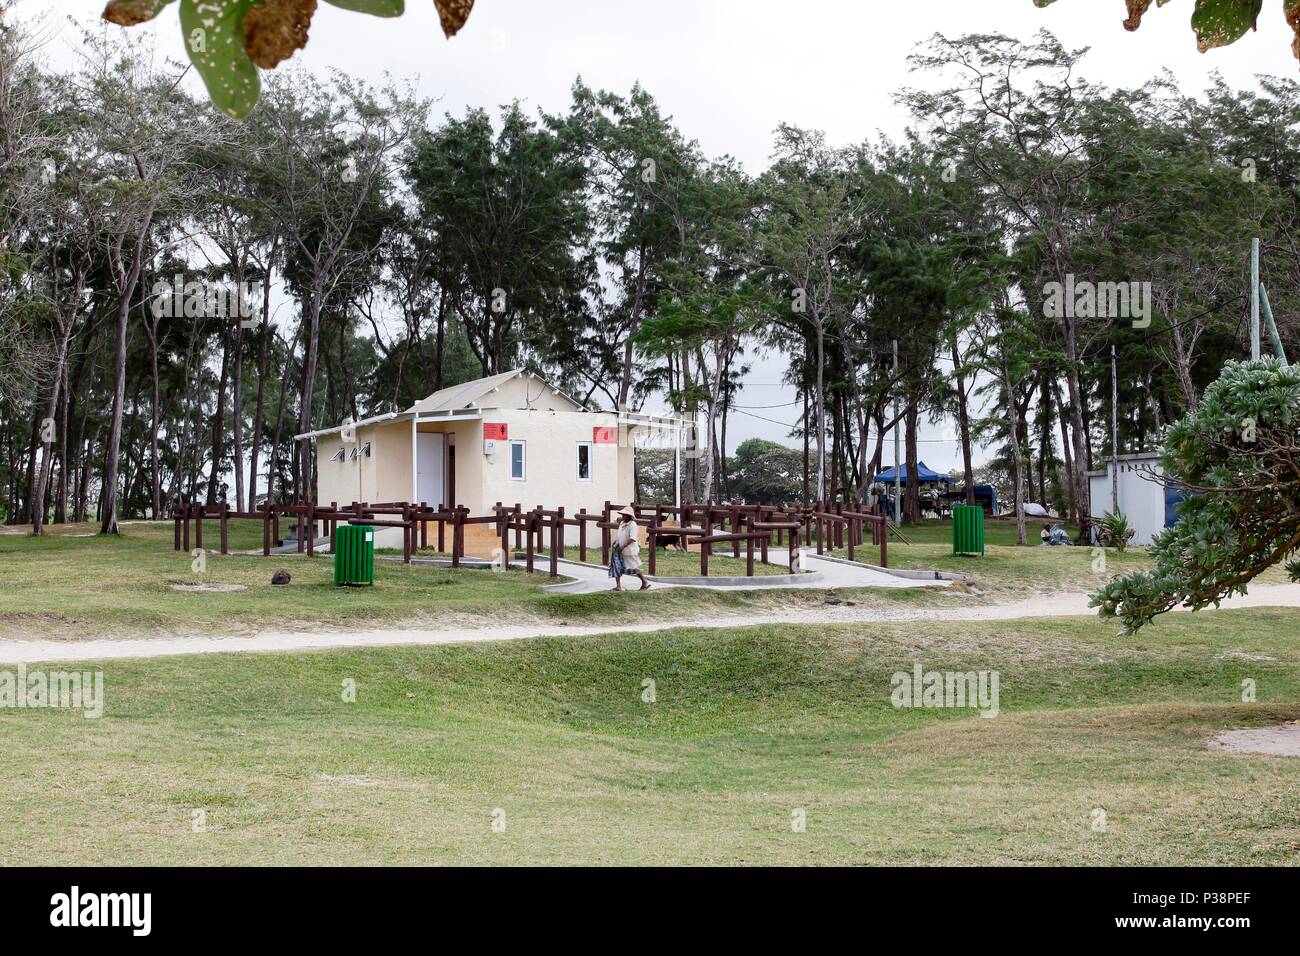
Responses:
[626,556]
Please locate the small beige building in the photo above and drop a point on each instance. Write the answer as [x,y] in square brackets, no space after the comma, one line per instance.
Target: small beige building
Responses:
[510,438]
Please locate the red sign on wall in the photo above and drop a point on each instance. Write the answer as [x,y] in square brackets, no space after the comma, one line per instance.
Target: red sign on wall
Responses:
[495,431]
[605,434]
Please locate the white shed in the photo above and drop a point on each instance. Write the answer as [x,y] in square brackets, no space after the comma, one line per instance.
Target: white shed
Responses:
[512,438]
[1145,497]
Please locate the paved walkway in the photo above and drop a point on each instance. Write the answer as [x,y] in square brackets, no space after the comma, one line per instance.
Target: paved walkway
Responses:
[828,574]
[1056,605]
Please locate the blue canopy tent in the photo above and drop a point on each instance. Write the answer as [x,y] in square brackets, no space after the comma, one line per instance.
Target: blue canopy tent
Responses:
[924,475]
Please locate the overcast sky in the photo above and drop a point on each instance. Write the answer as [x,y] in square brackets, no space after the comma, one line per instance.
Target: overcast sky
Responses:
[729,71]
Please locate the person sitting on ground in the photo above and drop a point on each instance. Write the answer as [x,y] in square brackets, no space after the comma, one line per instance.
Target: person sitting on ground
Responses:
[1056,537]
[626,556]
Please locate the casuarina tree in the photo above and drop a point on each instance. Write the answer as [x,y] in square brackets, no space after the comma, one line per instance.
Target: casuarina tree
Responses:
[1237,456]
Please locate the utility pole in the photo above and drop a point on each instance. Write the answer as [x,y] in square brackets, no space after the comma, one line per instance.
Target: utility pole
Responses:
[1254,299]
[898,443]
[677,471]
[1114,433]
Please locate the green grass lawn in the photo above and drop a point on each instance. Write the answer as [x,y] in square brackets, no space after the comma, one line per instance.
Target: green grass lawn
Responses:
[748,728]
[1006,570]
[72,583]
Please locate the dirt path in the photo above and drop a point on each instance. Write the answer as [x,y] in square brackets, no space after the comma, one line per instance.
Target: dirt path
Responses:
[1280,741]
[1061,605]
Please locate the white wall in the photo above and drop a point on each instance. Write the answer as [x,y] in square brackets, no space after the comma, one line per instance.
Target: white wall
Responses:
[551,463]
[1141,499]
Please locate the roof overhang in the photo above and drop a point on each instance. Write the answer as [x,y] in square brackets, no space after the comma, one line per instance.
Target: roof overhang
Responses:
[450,415]
[663,422]
[373,420]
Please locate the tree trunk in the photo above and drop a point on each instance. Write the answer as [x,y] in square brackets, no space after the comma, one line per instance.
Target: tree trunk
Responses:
[634,324]
[302,469]
[263,359]
[440,343]
[1044,437]
[1067,453]
[821,410]
[237,407]
[1079,471]
[963,425]
[219,421]
[806,478]
[108,492]
[911,510]
[155,475]
[47,439]
[1013,446]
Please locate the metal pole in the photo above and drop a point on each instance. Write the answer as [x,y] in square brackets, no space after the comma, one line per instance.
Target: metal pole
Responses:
[1271,325]
[1254,299]
[898,440]
[677,470]
[1114,433]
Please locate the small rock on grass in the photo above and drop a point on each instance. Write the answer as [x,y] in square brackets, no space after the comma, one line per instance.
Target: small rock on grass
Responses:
[280,577]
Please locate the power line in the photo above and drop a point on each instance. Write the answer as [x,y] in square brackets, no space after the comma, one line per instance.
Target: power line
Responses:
[773,421]
[781,405]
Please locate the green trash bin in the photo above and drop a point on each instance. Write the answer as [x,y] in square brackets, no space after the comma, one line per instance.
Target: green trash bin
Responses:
[967,529]
[354,554]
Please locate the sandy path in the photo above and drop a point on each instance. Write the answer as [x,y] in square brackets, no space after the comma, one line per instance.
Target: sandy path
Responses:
[1280,741]
[1060,605]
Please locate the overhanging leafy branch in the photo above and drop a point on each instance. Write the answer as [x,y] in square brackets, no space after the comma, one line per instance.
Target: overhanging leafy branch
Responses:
[228,41]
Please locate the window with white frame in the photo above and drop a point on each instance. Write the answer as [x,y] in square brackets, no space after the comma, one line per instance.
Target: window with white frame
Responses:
[517,460]
[584,461]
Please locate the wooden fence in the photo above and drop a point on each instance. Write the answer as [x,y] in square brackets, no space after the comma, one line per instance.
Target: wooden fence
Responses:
[540,530]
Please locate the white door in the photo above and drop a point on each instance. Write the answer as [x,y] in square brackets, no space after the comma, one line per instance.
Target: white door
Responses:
[430,467]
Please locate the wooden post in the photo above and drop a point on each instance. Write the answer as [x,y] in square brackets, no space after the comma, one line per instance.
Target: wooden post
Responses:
[186,521]
[704,549]
[406,534]
[650,542]
[442,541]
[528,534]
[456,540]
[266,528]
[198,527]
[424,528]
[559,535]
[557,529]
[735,529]
[853,534]
[519,528]
[884,547]
[176,531]
[582,535]
[503,517]
[225,520]
[749,557]
[275,525]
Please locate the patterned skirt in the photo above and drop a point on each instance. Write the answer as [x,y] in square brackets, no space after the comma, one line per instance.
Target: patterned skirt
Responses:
[616,569]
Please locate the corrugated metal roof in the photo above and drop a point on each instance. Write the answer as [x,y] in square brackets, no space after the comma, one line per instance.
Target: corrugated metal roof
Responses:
[463,395]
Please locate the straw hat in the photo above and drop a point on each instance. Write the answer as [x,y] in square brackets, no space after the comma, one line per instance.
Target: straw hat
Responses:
[628,512]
